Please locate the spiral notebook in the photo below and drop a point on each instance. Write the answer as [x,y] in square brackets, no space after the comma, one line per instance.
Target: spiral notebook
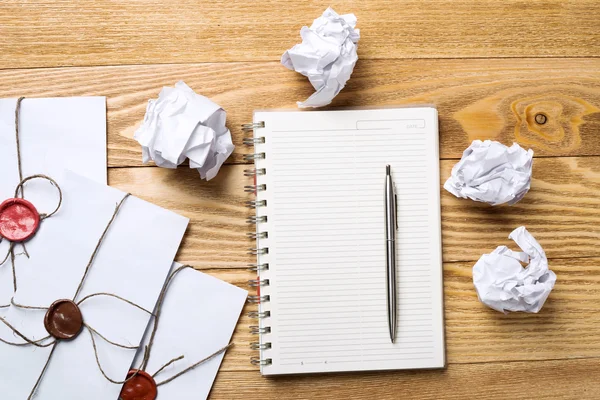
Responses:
[319,184]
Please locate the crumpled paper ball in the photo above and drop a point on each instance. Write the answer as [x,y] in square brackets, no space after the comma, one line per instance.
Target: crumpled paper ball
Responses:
[326,56]
[504,285]
[492,173]
[182,124]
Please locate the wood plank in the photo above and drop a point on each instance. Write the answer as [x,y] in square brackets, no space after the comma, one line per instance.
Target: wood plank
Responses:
[561,211]
[476,99]
[566,328]
[63,33]
[550,380]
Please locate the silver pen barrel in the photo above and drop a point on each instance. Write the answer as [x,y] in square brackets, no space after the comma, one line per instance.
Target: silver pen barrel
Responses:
[390,250]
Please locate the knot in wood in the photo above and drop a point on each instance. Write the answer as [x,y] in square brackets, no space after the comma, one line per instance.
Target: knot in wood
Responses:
[541,119]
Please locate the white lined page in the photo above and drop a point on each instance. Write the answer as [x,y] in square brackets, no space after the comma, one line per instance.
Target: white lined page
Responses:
[325,181]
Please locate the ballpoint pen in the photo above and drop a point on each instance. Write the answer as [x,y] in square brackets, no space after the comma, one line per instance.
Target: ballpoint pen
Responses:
[391,224]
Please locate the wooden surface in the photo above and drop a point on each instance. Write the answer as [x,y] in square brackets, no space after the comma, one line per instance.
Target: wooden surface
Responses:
[488,66]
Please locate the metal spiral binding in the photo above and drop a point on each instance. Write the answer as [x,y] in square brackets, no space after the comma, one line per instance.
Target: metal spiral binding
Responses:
[256,252]
[256,203]
[258,267]
[258,234]
[254,156]
[256,219]
[252,126]
[255,188]
[258,282]
[253,141]
[257,330]
[260,346]
[259,315]
[258,361]
[258,299]
[255,172]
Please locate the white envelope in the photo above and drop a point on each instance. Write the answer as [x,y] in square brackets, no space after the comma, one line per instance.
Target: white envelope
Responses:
[55,133]
[133,262]
[198,317]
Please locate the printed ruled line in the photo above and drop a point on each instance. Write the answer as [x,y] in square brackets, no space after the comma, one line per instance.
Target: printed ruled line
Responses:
[409,150]
[345,238]
[330,305]
[301,318]
[324,354]
[349,314]
[354,261]
[360,361]
[349,341]
[361,205]
[307,257]
[339,163]
[337,138]
[350,282]
[345,183]
[323,336]
[371,346]
[351,324]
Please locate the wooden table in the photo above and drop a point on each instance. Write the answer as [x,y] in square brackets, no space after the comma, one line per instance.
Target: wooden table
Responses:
[488,66]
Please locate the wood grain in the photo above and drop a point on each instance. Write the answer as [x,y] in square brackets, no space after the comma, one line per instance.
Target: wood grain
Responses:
[566,328]
[490,67]
[104,32]
[476,99]
[561,211]
[541,380]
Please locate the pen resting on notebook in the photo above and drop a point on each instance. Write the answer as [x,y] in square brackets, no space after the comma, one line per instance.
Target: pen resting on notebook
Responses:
[390,250]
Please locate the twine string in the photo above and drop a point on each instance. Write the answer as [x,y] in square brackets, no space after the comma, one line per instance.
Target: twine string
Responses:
[28,341]
[24,250]
[191,367]
[93,256]
[39,379]
[148,349]
[89,296]
[20,188]
[7,253]
[100,365]
[167,364]
[12,263]
[17,113]
[14,303]
[2,263]
[158,311]
[109,341]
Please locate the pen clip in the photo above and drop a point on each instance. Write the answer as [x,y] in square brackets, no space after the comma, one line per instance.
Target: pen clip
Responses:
[395,208]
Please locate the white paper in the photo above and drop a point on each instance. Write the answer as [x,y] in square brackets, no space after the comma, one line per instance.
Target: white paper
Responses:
[504,285]
[327,55]
[54,134]
[492,173]
[198,317]
[182,124]
[133,262]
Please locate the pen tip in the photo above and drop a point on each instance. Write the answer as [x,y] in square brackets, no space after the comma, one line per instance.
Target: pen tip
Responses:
[387,169]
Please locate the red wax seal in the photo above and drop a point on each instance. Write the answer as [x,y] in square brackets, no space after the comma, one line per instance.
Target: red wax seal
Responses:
[63,320]
[19,220]
[141,387]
